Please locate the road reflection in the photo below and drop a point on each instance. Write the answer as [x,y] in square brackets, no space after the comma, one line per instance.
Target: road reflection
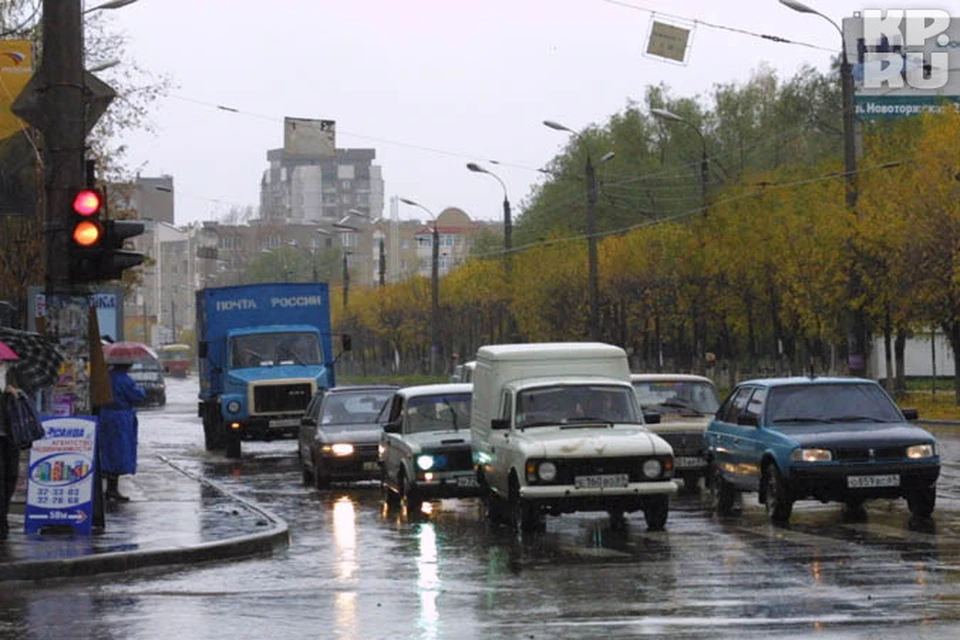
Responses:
[428,580]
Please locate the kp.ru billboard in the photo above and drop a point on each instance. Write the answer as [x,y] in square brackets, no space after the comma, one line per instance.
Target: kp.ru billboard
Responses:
[905,62]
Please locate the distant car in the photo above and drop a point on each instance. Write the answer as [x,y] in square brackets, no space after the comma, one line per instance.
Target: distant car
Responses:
[828,439]
[149,376]
[685,403]
[425,447]
[339,434]
[463,372]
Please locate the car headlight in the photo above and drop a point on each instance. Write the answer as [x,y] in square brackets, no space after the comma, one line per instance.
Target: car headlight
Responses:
[652,468]
[233,406]
[381,450]
[547,471]
[342,449]
[918,451]
[811,455]
[425,462]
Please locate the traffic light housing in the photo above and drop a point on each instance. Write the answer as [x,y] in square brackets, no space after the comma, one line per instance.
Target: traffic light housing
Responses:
[96,246]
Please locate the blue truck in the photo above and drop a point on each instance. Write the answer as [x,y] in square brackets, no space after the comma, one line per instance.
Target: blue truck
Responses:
[264,350]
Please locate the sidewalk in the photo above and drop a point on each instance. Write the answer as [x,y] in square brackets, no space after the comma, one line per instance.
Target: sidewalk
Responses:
[173,517]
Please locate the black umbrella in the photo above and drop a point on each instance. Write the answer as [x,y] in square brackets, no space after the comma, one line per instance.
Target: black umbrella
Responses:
[40,359]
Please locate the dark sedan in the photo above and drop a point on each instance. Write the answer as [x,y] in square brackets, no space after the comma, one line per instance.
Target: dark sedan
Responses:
[827,439]
[339,434]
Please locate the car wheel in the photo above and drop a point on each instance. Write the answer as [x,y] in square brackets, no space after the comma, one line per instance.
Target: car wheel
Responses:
[410,498]
[724,495]
[320,479]
[778,500]
[655,512]
[922,501]
[390,497]
[524,517]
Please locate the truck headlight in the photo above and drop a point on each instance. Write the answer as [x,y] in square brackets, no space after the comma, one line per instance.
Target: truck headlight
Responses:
[918,451]
[811,455]
[425,462]
[652,468]
[547,471]
[342,449]
[233,406]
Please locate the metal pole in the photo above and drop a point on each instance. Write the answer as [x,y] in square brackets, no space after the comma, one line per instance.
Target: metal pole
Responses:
[62,106]
[704,175]
[346,281]
[507,227]
[382,266]
[594,284]
[435,300]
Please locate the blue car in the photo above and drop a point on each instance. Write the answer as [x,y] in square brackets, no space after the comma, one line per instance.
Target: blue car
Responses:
[827,439]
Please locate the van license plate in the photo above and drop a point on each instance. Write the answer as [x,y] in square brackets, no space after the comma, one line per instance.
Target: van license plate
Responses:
[866,482]
[285,422]
[467,481]
[689,462]
[601,482]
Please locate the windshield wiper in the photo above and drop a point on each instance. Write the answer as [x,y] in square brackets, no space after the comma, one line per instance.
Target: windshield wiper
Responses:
[858,419]
[800,419]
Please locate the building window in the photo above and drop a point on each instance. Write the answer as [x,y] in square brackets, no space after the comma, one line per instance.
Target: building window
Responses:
[348,239]
[363,198]
[424,242]
[448,240]
[405,244]
[345,185]
[345,172]
[345,198]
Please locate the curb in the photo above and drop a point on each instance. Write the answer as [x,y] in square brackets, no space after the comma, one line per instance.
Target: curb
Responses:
[278,536]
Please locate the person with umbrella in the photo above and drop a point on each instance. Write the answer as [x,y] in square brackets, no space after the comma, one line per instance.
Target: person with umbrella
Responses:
[118,426]
[9,451]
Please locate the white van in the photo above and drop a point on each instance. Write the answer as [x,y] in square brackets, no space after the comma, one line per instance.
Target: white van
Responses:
[556,428]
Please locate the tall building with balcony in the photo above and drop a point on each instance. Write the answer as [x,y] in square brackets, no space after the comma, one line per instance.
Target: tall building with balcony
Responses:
[318,187]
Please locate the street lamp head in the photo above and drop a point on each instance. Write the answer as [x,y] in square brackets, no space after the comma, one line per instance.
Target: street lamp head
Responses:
[410,202]
[473,166]
[608,156]
[798,6]
[103,66]
[112,4]
[666,115]
[557,126]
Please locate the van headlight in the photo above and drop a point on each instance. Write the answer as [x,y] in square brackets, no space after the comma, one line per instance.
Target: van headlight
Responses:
[342,449]
[547,471]
[652,468]
[425,462]
[233,406]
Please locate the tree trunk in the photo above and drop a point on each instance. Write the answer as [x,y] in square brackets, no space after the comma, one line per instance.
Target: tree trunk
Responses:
[899,349]
[888,350]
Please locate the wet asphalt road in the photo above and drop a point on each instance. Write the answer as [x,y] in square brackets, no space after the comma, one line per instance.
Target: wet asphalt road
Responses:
[354,570]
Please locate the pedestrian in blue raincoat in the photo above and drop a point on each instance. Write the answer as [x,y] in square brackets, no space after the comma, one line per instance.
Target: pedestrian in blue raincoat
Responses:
[118,431]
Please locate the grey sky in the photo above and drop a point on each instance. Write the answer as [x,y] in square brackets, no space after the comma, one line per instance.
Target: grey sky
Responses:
[431,84]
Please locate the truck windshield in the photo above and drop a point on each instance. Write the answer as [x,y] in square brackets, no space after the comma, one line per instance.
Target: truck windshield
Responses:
[569,404]
[270,349]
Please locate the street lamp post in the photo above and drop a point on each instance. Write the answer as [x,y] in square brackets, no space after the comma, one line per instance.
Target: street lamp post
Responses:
[507,222]
[434,287]
[592,262]
[663,114]
[346,278]
[857,365]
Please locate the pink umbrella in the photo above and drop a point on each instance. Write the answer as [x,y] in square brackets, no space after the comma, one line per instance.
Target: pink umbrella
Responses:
[6,353]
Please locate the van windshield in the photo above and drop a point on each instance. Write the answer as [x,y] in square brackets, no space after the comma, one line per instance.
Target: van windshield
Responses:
[569,404]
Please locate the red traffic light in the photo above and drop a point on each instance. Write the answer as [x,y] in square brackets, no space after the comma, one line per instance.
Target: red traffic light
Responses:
[87,202]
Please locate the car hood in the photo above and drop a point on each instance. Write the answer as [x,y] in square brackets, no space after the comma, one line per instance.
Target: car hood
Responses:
[354,435]
[856,434]
[432,439]
[681,425]
[591,441]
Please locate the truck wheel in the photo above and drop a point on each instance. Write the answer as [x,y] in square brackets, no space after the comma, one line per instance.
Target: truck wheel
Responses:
[211,430]
[778,499]
[724,495]
[922,501]
[655,512]
[233,444]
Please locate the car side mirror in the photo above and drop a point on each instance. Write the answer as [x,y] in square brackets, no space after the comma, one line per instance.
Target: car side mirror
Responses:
[748,420]
[910,414]
[393,427]
[308,421]
[651,417]
[499,424]
[202,349]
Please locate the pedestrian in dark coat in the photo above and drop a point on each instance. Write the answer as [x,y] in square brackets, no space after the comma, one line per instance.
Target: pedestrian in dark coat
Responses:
[118,431]
[9,451]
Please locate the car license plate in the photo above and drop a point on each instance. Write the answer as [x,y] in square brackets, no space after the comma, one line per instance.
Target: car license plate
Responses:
[285,422]
[601,482]
[866,482]
[688,462]
[371,466]
[467,481]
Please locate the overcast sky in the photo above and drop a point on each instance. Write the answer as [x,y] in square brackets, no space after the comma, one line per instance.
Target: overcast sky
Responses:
[430,84]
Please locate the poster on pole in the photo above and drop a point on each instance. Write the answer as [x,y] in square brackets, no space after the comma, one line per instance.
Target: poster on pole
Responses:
[60,476]
[668,42]
[19,156]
